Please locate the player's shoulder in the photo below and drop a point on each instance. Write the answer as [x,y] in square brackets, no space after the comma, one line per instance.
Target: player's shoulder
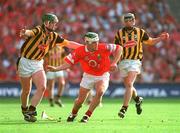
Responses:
[102,45]
[39,27]
[140,29]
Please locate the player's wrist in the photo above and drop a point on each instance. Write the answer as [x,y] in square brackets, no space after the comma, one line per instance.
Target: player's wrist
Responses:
[114,64]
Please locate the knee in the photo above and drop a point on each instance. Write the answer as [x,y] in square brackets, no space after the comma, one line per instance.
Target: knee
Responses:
[41,88]
[26,92]
[128,84]
[63,83]
[99,94]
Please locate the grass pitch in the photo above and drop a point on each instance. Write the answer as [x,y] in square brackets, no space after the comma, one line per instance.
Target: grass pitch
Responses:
[158,116]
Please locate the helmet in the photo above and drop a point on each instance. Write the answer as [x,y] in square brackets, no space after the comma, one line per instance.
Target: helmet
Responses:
[50,17]
[91,37]
[128,16]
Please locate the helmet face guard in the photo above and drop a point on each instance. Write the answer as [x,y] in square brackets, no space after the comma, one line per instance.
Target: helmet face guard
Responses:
[129,17]
[50,20]
[91,37]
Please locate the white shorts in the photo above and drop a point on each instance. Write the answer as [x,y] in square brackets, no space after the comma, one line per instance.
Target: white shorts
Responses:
[27,67]
[126,66]
[53,75]
[88,81]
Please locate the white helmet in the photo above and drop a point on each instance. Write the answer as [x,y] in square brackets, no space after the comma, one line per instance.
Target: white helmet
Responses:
[91,37]
[128,16]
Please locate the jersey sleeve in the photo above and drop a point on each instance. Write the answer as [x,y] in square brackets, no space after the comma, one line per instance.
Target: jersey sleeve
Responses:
[111,47]
[145,36]
[73,57]
[146,39]
[117,39]
[60,40]
[35,30]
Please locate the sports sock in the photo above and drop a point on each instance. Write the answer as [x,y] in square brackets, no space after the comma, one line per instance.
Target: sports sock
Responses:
[76,109]
[136,99]
[32,108]
[124,107]
[24,109]
[58,97]
[88,113]
[51,99]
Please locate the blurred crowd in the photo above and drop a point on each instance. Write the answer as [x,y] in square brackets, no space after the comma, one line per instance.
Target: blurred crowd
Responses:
[161,62]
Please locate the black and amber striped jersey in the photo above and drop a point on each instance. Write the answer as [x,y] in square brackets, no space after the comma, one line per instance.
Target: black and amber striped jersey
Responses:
[55,56]
[37,46]
[137,36]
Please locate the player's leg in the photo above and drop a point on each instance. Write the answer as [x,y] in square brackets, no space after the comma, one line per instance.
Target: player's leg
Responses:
[128,83]
[50,87]
[89,97]
[39,80]
[138,101]
[83,92]
[26,84]
[61,85]
[100,87]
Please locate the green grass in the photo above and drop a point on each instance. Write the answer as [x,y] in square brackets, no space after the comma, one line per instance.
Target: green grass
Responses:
[159,116]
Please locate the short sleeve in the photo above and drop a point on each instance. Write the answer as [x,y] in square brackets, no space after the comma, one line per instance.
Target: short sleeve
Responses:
[111,47]
[117,38]
[145,36]
[59,39]
[73,57]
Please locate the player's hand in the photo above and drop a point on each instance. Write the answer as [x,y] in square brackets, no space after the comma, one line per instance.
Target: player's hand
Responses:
[22,32]
[164,36]
[51,68]
[113,67]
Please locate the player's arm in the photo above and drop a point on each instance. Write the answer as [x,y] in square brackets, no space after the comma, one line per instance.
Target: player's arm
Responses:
[73,45]
[25,33]
[152,41]
[69,44]
[117,54]
[117,39]
[64,66]
[70,60]
[116,51]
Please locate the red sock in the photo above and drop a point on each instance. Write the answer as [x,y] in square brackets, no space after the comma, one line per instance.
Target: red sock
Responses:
[74,111]
[88,113]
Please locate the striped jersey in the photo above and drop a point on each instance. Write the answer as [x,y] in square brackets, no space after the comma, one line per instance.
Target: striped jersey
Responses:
[37,46]
[55,56]
[131,42]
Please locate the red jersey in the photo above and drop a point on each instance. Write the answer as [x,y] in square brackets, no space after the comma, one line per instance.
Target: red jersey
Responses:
[94,63]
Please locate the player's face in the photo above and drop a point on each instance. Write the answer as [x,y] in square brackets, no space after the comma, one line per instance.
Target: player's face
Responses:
[51,25]
[93,46]
[129,22]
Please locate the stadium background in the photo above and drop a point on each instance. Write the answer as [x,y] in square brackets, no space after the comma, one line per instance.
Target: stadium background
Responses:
[161,65]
